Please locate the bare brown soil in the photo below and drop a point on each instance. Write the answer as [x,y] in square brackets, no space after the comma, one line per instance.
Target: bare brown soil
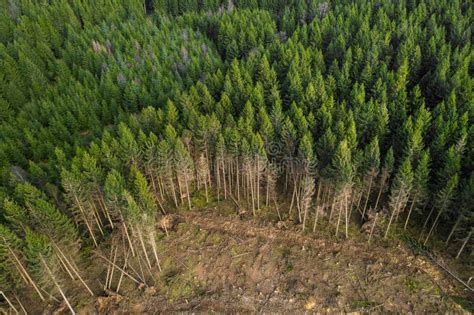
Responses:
[225,264]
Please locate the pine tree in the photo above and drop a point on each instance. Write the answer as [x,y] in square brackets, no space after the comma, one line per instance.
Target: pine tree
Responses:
[448,183]
[385,174]
[47,219]
[420,183]
[307,165]
[184,168]
[465,213]
[400,191]
[371,166]
[14,274]
[44,265]
[142,191]
[342,171]
[75,195]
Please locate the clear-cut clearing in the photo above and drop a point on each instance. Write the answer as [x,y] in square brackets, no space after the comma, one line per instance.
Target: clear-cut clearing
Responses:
[223,263]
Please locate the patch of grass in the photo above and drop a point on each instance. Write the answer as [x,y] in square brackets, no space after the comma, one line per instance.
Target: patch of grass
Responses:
[362,304]
[226,207]
[183,226]
[169,275]
[198,199]
[238,256]
[201,236]
[285,253]
[465,303]
[268,214]
[214,239]
[413,284]
[178,284]
[234,251]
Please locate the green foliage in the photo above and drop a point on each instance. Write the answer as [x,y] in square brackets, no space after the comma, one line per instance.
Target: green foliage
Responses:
[45,218]
[341,165]
[9,243]
[110,111]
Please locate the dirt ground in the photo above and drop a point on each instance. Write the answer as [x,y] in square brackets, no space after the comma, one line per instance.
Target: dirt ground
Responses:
[226,264]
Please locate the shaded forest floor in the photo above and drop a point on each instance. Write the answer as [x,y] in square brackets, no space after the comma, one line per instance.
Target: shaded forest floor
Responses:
[222,263]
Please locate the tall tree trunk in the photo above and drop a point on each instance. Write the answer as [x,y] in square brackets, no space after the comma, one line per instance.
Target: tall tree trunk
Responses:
[224,180]
[74,269]
[230,174]
[340,214]
[454,228]
[333,204]
[411,209]
[121,269]
[393,214]
[23,271]
[267,193]
[8,302]
[433,226]
[21,305]
[298,203]
[65,267]
[95,214]
[464,244]
[382,186]
[257,188]
[276,207]
[100,224]
[173,191]
[218,179]
[373,227]
[426,222]
[57,285]
[86,220]
[106,284]
[180,189]
[205,189]
[208,160]
[317,195]
[347,215]
[153,246]
[252,190]
[111,278]
[316,218]
[442,208]
[187,190]
[161,187]
[306,197]
[104,209]
[142,243]
[368,196]
[292,199]
[156,192]
[130,244]
[237,176]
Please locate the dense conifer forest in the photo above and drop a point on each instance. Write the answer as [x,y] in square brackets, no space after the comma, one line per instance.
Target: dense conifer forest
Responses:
[343,115]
